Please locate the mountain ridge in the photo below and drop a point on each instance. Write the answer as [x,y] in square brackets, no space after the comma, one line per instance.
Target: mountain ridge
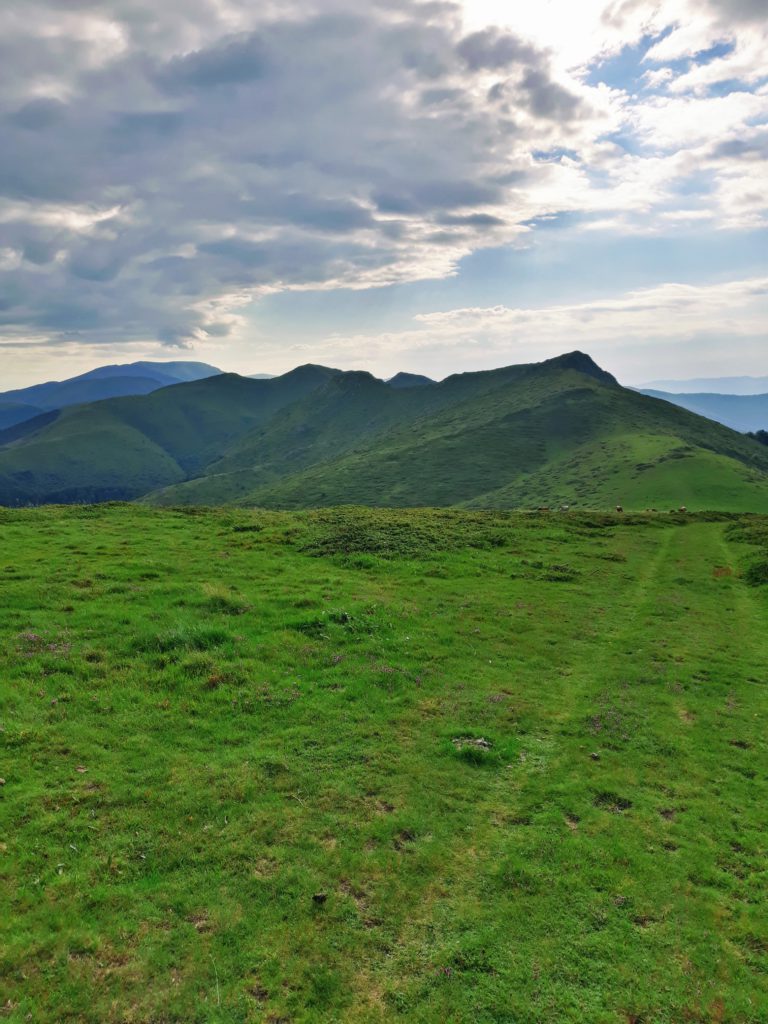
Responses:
[562,430]
[113,381]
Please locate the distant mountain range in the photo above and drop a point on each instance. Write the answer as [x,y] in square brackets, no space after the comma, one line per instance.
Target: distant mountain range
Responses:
[740,412]
[710,386]
[104,382]
[561,431]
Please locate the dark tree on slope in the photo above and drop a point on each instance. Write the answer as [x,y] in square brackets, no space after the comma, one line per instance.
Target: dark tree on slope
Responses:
[759,435]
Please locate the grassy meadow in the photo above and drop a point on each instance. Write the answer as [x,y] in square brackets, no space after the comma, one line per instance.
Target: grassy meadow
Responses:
[365,766]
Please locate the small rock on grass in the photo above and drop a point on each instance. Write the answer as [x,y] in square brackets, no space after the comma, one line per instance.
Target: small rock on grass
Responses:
[465,741]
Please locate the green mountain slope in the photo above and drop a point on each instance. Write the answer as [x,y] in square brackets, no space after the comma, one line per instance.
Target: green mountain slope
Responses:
[556,436]
[562,431]
[348,410]
[125,447]
[332,419]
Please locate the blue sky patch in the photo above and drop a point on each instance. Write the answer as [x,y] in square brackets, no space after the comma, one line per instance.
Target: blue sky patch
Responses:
[626,70]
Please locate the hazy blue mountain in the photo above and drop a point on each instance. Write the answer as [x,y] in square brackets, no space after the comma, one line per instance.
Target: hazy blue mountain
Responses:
[710,386]
[173,372]
[740,412]
[115,381]
[12,413]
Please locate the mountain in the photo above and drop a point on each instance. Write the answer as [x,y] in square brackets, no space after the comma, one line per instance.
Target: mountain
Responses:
[172,372]
[562,431]
[740,412]
[12,413]
[409,380]
[115,381]
[119,449]
[710,386]
[555,435]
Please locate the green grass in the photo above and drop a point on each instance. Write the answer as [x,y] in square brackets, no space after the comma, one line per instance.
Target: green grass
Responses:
[361,766]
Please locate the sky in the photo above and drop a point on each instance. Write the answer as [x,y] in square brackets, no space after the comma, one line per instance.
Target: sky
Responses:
[418,185]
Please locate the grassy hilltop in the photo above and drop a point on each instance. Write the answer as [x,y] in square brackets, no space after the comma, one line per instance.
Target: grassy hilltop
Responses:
[561,431]
[361,766]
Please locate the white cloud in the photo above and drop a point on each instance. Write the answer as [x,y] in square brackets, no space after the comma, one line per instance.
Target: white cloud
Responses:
[668,310]
[672,315]
[165,164]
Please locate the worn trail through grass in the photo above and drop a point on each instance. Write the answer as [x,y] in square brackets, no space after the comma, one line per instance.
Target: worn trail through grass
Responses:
[368,766]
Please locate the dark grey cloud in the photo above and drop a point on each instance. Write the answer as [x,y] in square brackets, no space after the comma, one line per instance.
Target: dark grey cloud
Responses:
[161,162]
[549,99]
[494,50]
[471,220]
[239,250]
[740,10]
[146,128]
[436,97]
[38,113]
[753,148]
[538,95]
[229,62]
[417,198]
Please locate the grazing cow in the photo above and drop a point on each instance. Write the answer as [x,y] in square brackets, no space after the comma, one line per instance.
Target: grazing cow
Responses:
[565,508]
[682,509]
[619,508]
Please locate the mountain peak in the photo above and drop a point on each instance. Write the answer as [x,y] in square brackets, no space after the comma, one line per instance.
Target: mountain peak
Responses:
[582,363]
[309,370]
[409,380]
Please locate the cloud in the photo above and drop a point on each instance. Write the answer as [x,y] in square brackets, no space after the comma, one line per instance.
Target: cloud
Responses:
[163,165]
[547,98]
[229,62]
[494,50]
[205,153]
[665,317]
[739,10]
[669,310]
